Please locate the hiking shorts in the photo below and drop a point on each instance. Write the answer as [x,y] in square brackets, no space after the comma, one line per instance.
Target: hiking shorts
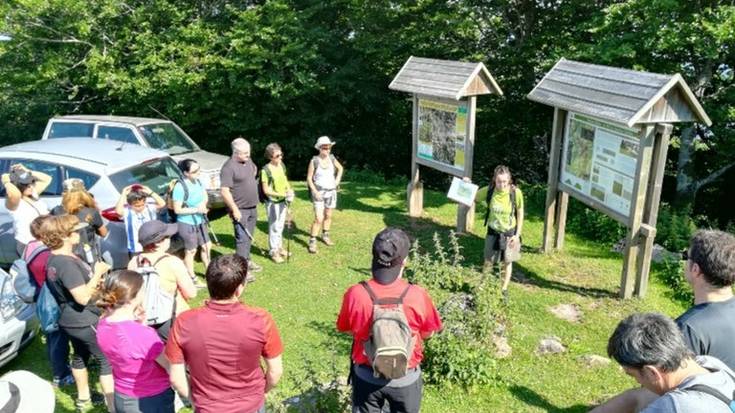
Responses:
[495,244]
[193,235]
[329,201]
[369,397]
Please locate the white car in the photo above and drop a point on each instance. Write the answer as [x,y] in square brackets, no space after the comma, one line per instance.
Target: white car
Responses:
[153,133]
[18,321]
[105,167]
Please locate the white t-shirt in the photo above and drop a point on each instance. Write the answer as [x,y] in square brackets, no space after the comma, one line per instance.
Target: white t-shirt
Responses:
[324,178]
[26,212]
[133,220]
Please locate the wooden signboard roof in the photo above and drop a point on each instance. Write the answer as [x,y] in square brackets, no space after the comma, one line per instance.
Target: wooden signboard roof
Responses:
[444,78]
[621,95]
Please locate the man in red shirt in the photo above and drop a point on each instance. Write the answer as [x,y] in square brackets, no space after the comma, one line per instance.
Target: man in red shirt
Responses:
[369,390]
[222,344]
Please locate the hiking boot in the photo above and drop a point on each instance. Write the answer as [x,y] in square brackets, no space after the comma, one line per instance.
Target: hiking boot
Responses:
[284,253]
[85,406]
[277,258]
[327,241]
[253,267]
[506,299]
[68,380]
[312,245]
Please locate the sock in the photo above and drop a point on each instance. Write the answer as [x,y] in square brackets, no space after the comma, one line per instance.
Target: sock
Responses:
[325,234]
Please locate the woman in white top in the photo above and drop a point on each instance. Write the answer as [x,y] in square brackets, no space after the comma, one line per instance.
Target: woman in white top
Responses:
[22,188]
[323,177]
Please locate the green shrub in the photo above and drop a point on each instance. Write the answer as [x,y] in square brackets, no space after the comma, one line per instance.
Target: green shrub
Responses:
[471,311]
[671,273]
[592,224]
[674,228]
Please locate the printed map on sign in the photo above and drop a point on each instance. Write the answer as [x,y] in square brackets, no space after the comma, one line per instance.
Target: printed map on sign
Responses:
[442,132]
[600,160]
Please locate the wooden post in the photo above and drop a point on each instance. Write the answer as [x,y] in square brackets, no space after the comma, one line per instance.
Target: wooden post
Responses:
[465,214]
[415,189]
[562,201]
[650,212]
[640,189]
[557,135]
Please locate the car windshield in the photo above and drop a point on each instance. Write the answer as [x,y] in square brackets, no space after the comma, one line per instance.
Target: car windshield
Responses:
[167,137]
[155,174]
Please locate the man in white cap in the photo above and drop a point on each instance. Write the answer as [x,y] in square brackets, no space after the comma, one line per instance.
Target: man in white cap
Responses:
[24,392]
[323,177]
[239,182]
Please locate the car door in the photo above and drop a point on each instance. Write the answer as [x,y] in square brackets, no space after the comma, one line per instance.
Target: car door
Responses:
[51,197]
[117,132]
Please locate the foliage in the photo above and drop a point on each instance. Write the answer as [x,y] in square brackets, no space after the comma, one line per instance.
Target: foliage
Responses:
[470,308]
[671,274]
[591,224]
[674,228]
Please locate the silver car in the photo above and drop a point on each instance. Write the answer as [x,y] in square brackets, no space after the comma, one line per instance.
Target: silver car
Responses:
[18,321]
[105,167]
[153,133]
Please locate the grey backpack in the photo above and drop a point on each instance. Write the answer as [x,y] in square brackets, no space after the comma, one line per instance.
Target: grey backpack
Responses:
[391,342]
[160,306]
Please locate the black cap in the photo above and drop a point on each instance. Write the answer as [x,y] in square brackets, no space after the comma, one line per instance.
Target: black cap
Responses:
[19,177]
[390,249]
[154,231]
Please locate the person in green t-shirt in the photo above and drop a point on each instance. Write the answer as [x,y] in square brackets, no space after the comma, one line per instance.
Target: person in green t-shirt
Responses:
[279,194]
[504,222]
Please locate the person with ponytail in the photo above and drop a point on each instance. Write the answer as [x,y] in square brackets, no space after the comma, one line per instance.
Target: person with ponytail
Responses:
[134,350]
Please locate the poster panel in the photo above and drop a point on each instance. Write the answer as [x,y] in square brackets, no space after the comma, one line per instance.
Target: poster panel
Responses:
[442,133]
[599,161]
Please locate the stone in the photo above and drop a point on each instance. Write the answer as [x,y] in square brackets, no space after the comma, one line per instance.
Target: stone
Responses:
[502,348]
[593,360]
[568,312]
[550,345]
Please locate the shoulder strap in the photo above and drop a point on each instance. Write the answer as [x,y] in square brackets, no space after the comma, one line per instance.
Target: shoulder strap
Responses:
[32,206]
[36,252]
[141,261]
[384,300]
[403,294]
[315,162]
[268,174]
[488,198]
[369,291]
[702,388]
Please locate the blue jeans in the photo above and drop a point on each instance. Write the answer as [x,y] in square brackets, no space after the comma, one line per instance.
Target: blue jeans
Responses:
[57,348]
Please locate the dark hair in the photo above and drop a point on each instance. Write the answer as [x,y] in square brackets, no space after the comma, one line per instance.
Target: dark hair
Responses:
[135,195]
[714,252]
[648,339]
[22,187]
[271,149]
[185,164]
[224,274]
[501,170]
[120,288]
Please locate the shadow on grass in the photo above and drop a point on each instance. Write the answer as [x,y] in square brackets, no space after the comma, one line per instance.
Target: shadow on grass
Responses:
[532,398]
[336,342]
[523,275]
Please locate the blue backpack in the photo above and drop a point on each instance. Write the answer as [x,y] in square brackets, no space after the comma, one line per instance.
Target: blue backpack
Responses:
[48,310]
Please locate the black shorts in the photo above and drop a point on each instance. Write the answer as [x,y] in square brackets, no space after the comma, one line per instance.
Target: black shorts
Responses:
[193,235]
[84,342]
[369,398]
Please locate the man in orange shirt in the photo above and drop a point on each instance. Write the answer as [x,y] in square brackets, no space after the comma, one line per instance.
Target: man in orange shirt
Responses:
[370,390]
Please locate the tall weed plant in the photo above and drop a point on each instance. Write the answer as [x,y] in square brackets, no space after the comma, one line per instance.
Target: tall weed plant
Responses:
[470,306]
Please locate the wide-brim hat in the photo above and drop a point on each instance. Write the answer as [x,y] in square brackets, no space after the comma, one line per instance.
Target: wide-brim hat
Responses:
[155,231]
[22,391]
[323,140]
[390,249]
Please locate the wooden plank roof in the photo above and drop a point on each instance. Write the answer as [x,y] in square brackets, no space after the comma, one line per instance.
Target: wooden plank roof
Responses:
[620,95]
[444,78]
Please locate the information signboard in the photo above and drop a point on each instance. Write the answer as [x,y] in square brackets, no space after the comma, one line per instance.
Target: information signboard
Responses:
[442,134]
[599,161]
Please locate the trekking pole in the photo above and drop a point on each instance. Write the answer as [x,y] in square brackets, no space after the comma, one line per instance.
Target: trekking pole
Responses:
[289,235]
[211,231]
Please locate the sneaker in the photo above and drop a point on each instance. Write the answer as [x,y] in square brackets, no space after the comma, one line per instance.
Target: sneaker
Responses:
[277,258]
[327,241]
[85,406]
[312,245]
[253,267]
[68,380]
[505,297]
[284,253]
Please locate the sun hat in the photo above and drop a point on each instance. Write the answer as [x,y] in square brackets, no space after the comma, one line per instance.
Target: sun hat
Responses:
[323,140]
[390,249]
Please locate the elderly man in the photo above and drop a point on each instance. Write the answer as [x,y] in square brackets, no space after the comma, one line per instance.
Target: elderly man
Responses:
[650,348]
[240,193]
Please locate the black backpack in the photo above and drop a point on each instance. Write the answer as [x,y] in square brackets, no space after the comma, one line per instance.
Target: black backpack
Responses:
[168,214]
[513,204]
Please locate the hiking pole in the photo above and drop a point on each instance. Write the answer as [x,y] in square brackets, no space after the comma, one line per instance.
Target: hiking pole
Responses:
[289,235]
[211,231]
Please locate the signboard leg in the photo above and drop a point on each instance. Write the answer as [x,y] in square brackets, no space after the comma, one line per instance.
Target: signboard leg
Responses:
[553,182]
[465,218]
[415,191]
[562,201]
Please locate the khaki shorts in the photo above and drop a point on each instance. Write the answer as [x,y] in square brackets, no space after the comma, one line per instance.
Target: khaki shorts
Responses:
[329,201]
[495,247]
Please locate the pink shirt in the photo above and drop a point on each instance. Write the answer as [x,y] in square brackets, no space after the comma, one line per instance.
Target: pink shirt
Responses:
[132,349]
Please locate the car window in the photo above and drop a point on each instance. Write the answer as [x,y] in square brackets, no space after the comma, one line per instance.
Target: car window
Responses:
[70,130]
[156,174]
[4,168]
[115,133]
[53,170]
[89,179]
[167,137]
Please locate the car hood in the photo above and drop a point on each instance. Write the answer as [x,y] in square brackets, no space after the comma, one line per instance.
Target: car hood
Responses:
[208,161]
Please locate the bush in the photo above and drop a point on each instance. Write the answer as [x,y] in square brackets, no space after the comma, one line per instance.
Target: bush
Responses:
[592,224]
[674,228]
[671,273]
[471,311]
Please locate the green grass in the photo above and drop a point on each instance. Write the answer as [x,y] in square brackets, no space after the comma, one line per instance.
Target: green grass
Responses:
[304,297]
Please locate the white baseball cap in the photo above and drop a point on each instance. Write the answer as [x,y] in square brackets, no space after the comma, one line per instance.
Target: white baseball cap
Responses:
[323,140]
[24,392]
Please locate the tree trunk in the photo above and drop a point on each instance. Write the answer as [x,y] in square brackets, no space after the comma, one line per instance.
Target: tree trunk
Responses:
[685,182]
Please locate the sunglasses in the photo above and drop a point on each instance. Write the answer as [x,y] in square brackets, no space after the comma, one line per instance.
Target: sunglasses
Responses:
[280,155]
[685,255]
[325,148]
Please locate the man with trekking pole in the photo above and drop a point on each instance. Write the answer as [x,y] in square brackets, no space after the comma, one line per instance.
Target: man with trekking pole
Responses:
[239,188]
